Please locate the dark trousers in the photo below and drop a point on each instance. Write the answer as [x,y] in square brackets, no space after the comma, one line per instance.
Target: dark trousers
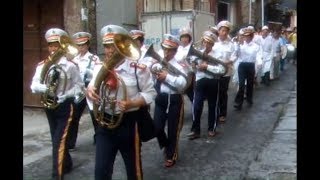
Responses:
[246,71]
[78,111]
[282,63]
[265,79]
[190,90]
[168,108]
[94,123]
[125,139]
[223,95]
[205,89]
[59,122]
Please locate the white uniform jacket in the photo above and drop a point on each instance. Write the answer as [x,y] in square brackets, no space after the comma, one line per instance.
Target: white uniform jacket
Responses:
[126,71]
[72,78]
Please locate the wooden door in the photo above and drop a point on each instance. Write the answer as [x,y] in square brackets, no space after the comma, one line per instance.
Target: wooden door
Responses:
[38,17]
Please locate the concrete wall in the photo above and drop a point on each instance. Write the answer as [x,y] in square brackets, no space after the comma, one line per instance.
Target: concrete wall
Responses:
[72,16]
[75,22]
[120,12]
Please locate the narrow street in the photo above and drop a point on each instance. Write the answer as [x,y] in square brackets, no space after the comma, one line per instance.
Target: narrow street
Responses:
[243,149]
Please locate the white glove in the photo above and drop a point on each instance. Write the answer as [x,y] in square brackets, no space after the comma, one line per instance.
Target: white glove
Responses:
[156,67]
[40,88]
[61,98]
[67,94]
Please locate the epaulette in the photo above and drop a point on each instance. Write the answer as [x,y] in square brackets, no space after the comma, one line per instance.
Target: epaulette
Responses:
[94,58]
[138,65]
[97,62]
[42,62]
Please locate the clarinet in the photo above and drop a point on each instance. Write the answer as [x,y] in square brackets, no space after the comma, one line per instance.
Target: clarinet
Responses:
[86,74]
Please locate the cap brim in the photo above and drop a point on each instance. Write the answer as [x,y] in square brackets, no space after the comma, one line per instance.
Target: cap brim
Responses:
[80,43]
[168,46]
[247,34]
[208,40]
[108,41]
[51,41]
[136,36]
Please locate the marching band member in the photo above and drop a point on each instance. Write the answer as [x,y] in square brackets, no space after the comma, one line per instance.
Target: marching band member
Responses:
[169,105]
[183,49]
[86,62]
[250,54]
[124,137]
[138,36]
[227,49]
[59,117]
[206,87]
[214,30]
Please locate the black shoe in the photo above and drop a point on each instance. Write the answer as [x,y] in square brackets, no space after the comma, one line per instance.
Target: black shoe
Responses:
[237,107]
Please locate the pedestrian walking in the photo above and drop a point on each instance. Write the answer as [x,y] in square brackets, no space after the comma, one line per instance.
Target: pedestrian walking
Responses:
[169,104]
[250,54]
[224,46]
[207,83]
[58,80]
[117,101]
[86,62]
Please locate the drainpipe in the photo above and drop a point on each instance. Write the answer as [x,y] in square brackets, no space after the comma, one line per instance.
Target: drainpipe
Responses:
[262,13]
[84,16]
[250,7]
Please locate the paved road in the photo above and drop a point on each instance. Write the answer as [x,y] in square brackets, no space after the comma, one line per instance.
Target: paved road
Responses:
[242,150]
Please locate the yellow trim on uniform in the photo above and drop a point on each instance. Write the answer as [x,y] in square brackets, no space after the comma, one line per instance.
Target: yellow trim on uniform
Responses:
[137,149]
[62,146]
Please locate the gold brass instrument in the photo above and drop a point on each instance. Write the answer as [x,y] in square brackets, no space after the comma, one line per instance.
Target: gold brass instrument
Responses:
[211,60]
[52,81]
[169,67]
[126,48]
[51,72]
[198,44]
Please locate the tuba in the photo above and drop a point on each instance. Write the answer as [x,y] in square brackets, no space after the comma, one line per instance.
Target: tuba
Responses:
[211,60]
[51,72]
[126,48]
[169,67]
